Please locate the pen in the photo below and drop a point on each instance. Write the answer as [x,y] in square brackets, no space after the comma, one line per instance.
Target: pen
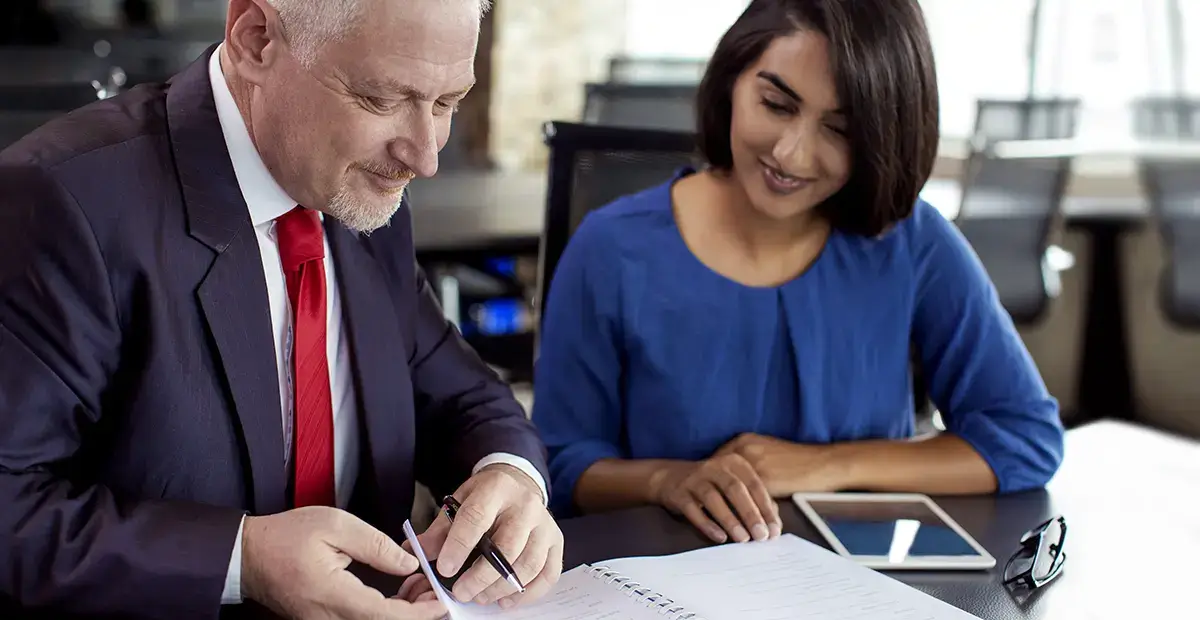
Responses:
[486,547]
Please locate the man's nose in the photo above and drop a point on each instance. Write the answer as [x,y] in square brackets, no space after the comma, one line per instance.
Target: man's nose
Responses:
[416,143]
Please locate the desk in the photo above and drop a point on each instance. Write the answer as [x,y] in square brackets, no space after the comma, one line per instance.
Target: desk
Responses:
[1132,512]
[1077,147]
[468,210]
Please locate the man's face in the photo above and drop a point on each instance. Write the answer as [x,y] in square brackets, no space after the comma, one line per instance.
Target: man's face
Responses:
[347,133]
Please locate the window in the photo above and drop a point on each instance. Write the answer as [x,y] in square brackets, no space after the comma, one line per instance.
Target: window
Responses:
[980,47]
[1189,32]
[678,28]
[980,44]
[1105,52]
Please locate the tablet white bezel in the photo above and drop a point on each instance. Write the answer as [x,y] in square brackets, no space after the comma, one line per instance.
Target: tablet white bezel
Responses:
[982,561]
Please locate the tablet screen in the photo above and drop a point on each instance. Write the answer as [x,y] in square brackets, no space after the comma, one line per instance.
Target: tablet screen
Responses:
[895,530]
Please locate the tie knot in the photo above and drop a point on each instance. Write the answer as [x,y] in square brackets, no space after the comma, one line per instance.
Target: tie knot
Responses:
[301,238]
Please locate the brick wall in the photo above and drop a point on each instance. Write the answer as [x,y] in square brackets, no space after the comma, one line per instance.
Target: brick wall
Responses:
[544,52]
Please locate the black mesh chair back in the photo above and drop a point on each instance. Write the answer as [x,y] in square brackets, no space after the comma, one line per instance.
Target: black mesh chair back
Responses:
[1173,187]
[1166,118]
[591,166]
[627,70]
[1009,205]
[1026,119]
[669,107]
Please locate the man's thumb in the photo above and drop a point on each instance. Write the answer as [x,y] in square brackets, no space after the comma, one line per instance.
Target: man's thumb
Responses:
[370,546]
[433,538]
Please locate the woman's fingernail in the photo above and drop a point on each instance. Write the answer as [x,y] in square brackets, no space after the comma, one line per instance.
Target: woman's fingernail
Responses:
[717,535]
[740,535]
[761,532]
[505,603]
[776,530]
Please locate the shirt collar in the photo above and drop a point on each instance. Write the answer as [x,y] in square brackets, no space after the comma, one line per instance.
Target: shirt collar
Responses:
[262,193]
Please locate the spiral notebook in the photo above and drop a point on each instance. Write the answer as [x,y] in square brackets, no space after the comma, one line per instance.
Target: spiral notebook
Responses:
[781,579]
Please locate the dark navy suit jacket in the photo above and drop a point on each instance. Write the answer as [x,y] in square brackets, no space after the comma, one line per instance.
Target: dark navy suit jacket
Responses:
[139,396]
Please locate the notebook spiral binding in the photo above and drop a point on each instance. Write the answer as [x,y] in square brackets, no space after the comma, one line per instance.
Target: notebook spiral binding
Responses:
[653,600]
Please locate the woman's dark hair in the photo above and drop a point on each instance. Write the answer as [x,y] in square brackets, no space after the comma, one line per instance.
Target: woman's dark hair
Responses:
[884,71]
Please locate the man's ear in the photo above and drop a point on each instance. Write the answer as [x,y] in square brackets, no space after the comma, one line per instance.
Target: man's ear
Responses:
[253,38]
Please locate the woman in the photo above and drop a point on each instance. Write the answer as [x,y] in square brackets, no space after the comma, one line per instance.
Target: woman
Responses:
[742,332]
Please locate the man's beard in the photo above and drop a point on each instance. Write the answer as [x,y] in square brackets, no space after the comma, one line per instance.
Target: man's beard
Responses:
[359,215]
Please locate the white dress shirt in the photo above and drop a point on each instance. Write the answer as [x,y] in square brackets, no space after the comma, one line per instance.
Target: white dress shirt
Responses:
[267,201]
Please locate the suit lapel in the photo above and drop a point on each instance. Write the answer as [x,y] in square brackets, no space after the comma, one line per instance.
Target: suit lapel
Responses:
[380,369]
[233,295]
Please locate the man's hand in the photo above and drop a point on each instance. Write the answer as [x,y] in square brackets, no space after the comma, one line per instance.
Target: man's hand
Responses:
[713,486]
[295,563]
[508,505]
[416,588]
[786,467]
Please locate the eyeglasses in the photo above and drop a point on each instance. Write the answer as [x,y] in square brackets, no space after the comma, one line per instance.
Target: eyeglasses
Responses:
[1041,557]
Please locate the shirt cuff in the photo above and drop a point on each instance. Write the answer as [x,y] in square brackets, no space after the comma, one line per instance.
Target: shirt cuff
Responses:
[516,461]
[233,578]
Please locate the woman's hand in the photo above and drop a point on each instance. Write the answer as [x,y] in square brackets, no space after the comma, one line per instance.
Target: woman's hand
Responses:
[723,496]
[786,467]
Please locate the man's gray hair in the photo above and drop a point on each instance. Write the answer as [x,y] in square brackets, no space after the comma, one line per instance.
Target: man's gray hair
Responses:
[309,24]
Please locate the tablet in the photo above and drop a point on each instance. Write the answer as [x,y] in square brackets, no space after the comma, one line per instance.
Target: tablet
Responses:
[891,531]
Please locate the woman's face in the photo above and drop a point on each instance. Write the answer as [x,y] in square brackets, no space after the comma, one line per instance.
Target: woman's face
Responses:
[787,134]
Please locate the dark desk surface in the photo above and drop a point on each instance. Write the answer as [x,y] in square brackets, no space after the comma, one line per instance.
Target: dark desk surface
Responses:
[467,210]
[1133,518]
[471,209]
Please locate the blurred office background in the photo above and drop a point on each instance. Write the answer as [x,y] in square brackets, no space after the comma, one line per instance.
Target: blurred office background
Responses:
[1069,157]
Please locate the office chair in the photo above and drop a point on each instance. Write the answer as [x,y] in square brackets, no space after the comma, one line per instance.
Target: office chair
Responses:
[629,70]
[1173,188]
[1025,119]
[592,165]
[1009,205]
[669,107]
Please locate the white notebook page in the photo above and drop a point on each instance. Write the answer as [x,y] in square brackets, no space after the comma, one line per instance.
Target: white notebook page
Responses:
[577,596]
[781,579]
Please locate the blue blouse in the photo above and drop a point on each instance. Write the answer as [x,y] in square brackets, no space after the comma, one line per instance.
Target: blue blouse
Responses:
[648,353]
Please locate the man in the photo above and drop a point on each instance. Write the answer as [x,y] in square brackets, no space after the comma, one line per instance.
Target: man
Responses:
[220,369]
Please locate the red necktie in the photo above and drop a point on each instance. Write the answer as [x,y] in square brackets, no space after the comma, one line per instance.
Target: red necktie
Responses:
[302,250]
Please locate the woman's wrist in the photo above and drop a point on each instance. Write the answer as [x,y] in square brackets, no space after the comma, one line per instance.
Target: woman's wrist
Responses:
[843,466]
[621,483]
[659,472]
[940,465]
